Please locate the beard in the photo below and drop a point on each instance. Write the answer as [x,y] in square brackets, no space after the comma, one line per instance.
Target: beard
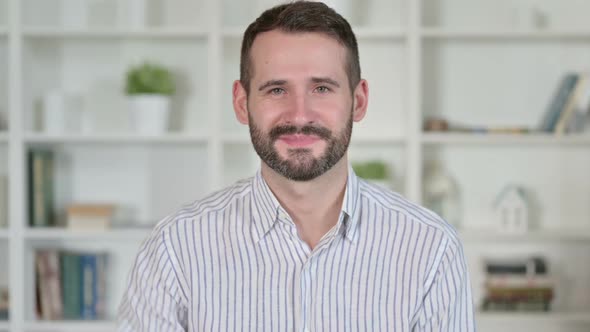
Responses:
[300,164]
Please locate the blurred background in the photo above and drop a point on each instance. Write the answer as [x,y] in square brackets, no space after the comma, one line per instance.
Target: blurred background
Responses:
[113,113]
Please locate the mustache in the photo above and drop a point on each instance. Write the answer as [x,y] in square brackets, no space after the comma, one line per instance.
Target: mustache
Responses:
[321,132]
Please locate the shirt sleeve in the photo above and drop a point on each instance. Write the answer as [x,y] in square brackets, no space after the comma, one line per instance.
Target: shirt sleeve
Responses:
[154,299]
[448,303]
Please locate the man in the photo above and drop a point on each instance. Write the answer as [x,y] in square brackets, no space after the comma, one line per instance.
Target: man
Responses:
[304,245]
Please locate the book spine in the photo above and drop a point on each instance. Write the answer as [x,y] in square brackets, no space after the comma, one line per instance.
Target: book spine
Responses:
[560,99]
[71,285]
[89,285]
[36,199]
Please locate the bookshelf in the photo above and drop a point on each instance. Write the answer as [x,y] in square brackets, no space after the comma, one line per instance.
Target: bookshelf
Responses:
[479,63]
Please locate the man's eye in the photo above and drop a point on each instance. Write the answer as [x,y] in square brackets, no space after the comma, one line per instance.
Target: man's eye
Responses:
[276,91]
[322,89]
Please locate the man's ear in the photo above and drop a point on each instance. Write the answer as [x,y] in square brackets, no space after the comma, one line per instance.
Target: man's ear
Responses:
[240,102]
[360,100]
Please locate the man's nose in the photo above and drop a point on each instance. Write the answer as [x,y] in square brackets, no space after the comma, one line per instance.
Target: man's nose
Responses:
[300,111]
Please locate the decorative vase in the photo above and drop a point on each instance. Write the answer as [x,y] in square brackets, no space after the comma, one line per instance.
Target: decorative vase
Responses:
[441,193]
[62,113]
[150,113]
[137,14]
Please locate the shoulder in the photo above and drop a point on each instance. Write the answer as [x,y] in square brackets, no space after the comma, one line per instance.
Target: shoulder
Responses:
[410,211]
[198,210]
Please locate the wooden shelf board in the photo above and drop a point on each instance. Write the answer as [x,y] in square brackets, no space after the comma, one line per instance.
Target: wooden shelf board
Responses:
[453,33]
[116,139]
[54,233]
[98,325]
[495,139]
[57,32]
[534,236]
[533,317]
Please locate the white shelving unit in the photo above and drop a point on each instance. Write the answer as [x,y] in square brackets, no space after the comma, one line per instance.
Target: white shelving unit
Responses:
[479,62]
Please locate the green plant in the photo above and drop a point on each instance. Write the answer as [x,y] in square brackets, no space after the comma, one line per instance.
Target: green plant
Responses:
[150,78]
[373,170]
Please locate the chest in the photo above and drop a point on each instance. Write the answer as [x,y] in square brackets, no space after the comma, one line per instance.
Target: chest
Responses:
[279,285]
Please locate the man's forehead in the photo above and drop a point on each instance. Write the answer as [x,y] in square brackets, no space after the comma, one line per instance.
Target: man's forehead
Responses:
[279,38]
[302,49]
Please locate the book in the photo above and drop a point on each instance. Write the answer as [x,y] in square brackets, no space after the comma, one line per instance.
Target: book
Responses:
[41,200]
[89,216]
[508,281]
[572,104]
[4,304]
[93,273]
[559,101]
[71,285]
[497,305]
[49,285]
[520,266]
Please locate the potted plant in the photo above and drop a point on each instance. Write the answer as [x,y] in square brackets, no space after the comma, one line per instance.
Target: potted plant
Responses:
[149,87]
[374,171]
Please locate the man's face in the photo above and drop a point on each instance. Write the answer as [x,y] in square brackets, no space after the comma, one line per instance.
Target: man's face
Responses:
[299,104]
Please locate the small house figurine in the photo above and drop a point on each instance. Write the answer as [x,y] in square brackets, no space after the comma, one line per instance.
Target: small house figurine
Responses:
[512,210]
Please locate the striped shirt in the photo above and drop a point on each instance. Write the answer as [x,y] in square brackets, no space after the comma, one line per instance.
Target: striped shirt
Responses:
[234,262]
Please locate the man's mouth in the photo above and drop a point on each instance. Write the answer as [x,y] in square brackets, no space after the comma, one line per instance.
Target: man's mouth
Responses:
[299,140]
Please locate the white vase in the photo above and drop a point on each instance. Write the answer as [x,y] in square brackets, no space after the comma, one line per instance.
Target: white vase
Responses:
[441,193]
[137,14]
[149,113]
[62,113]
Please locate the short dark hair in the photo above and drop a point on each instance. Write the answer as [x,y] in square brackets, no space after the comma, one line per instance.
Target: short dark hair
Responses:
[302,16]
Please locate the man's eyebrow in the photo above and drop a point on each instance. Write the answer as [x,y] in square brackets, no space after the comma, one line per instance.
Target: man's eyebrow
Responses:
[326,80]
[271,83]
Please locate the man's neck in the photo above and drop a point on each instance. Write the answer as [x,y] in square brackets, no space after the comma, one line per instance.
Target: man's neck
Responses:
[313,205]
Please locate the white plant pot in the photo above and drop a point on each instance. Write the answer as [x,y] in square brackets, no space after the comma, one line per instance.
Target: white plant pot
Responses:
[150,113]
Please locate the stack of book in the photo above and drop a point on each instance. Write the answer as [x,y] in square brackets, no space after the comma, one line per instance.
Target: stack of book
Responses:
[70,285]
[518,285]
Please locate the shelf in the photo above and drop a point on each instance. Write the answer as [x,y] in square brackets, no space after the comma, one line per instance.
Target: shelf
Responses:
[503,34]
[51,32]
[4,233]
[492,318]
[122,234]
[495,139]
[172,138]
[3,136]
[3,32]
[360,33]
[4,325]
[377,139]
[532,236]
[98,326]
[379,33]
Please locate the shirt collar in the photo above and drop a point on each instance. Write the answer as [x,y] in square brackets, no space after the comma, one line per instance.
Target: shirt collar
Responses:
[266,207]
